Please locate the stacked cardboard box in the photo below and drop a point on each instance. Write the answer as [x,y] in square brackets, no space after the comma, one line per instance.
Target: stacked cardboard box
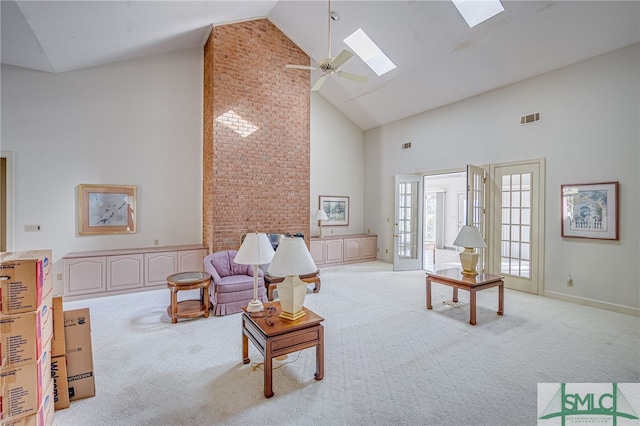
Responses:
[58,358]
[26,328]
[79,354]
[71,355]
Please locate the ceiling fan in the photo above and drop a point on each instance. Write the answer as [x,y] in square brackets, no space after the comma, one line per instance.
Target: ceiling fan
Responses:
[331,65]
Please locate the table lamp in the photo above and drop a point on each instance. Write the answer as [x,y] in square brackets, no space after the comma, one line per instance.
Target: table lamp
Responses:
[320,216]
[469,237]
[292,259]
[255,250]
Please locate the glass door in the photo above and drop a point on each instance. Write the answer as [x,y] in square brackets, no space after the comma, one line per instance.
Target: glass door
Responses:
[407,237]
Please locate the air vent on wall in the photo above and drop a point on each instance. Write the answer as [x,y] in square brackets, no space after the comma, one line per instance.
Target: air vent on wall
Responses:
[530,118]
[406,145]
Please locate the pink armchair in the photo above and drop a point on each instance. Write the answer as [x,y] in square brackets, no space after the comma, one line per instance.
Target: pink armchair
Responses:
[231,283]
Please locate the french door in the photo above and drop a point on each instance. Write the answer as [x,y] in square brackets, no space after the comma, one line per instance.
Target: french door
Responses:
[407,237]
[518,224]
[476,205]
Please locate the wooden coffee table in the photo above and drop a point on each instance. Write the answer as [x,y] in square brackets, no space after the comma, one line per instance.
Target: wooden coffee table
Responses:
[270,282]
[274,337]
[454,278]
[188,308]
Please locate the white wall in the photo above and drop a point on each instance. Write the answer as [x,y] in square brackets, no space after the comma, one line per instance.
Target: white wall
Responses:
[337,169]
[133,123]
[589,132]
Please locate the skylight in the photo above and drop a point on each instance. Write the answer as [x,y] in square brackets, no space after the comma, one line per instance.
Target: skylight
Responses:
[478,11]
[371,54]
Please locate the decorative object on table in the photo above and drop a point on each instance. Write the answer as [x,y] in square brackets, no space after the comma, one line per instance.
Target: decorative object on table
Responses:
[469,237]
[255,250]
[106,209]
[320,216]
[292,259]
[337,210]
[590,210]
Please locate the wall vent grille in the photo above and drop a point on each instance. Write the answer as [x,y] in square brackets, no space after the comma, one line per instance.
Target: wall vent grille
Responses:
[530,118]
[406,145]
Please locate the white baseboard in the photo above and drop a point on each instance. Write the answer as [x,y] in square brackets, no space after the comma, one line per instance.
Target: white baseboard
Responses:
[621,309]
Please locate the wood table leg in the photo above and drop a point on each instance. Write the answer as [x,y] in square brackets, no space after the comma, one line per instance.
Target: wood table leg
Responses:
[429,294]
[245,347]
[270,289]
[455,295]
[320,355]
[205,301]
[501,298]
[268,371]
[174,305]
[472,307]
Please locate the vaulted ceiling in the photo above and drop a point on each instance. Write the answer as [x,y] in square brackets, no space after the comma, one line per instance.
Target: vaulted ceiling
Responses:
[439,59]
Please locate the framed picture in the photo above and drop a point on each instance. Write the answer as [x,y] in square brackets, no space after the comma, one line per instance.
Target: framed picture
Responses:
[590,210]
[337,210]
[106,209]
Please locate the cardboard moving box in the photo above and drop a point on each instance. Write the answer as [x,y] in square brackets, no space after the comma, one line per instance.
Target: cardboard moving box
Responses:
[57,341]
[44,416]
[26,336]
[24,388]
[25,280]
[60,385]
[77,335]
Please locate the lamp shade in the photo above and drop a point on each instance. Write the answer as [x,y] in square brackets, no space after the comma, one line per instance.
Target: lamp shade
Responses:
[321,215]
[292,258]
[256,249]
[469,236]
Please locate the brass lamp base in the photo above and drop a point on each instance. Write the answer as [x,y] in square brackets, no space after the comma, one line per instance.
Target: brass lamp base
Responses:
[469,261]
[291,292]
[291,317]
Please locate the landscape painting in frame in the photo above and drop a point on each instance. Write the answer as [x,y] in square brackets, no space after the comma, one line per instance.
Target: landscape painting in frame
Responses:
[337,210]
[590,210]
[106,209]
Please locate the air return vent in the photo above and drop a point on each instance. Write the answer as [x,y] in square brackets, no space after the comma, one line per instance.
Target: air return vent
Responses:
[530,118]
[406,145]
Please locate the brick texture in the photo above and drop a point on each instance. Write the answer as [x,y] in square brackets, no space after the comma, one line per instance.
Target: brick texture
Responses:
[256,135]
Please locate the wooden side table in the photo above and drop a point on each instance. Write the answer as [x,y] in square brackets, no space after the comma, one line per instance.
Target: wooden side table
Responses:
[454,278]
[274,337]
[188,308]
[271,282]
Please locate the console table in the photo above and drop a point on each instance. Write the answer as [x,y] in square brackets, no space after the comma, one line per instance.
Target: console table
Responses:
[271,282]
[274,337]
[453,278]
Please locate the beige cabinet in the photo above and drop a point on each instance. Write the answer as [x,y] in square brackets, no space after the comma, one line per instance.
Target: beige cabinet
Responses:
[158,266]
[124,272]
[85,275]
[316,249]
[340,249]
[97,273]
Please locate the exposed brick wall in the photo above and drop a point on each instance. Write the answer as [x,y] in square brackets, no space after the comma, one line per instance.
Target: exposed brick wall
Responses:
[259,182]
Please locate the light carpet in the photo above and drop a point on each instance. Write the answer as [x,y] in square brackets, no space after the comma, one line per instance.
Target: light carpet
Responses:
[388,360]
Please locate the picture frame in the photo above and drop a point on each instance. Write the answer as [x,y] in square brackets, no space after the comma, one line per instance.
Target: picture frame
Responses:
[337,210]
[590,210]
[106,209]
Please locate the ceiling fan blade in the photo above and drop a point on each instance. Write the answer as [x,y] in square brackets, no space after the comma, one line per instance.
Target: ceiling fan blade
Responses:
[319,83]
[343,57]
[301,67]
[352,76]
